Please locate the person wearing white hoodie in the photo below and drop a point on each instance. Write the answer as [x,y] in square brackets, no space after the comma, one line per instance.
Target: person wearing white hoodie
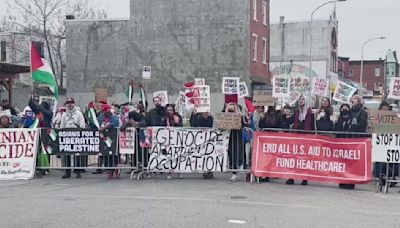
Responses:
[72,118]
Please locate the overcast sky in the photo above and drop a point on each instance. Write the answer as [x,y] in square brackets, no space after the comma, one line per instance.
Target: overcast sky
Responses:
[359,20]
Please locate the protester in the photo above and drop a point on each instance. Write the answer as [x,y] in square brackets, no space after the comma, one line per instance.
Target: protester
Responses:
[57,118]
[115,109]
[255,118]
[236,146]
[380,167]
[5,119]
[272,119]
[154,116]
[43,111]
[345,123]
[303,120]
[202,120]
[358,112]
[108,121]
[324,116]
[171,118]
[287,118]
[72,118]
[27,117]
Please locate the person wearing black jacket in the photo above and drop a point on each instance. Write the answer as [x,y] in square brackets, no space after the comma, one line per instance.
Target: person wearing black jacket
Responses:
[155,116]
[345,123]
[43,111]
[272,119]
[202,120]
[358,112]
[287,118]
[324,122]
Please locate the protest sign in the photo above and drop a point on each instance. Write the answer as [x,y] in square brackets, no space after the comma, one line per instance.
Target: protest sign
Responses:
[280,86]
[386,148]
[199,81]
[180,104]
[200,98]
[77,141]
[320,87]
[263,98]
[293,97]
[202,104]
[384,122]
[343,92]
[188,150]
[243,91]
[230,85]
[127,140]
[163,95]
[18,153]
[311,157]
[394,89]
[101,94]
[226,120]
[146,73]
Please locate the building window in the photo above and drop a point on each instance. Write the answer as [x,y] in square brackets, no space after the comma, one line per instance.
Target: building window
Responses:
[3,51]
[350,72]
[264,10]
[255,47]
[377,72]
[264,51]
[255,10]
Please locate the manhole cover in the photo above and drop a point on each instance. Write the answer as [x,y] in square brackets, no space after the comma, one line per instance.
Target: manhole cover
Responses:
[238,197]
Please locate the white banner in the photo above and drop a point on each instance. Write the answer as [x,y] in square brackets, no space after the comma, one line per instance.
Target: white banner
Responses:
[163,95]
[18,149]
[344,92]
[320,87]
[188,150]
[230,85]
[280,86]
[394,89]
[386,148]
[243,91]
[127,140]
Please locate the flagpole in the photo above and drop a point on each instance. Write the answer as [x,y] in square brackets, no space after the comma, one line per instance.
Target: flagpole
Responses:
[30,64]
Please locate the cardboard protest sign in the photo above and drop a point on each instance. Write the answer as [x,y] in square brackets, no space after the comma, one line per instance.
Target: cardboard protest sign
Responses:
[320,87]
[18,153]
[227,120]
[280,86]
[383,122]
[343,92]
[386,148]
[77,141]
[243,91]
[311,157]
[146,73]
[394,89]
[199,81]
[101,94]
[263,98]
[230,85]
[163,95]
[186,150]
[127,141]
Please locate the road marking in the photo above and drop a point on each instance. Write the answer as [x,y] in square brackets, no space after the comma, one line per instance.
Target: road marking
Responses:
[237,221]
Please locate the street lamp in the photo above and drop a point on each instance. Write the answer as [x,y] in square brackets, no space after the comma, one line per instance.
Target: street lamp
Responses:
[362,57]
[311,21]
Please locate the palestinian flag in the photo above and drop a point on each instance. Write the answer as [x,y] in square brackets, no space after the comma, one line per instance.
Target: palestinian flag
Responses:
[91,115]
[35,123]
[108,141]
[143,96]
[52,134]
[41,71]
[129,91]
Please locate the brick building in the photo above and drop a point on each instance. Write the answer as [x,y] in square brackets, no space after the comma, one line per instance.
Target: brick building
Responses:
[180,40]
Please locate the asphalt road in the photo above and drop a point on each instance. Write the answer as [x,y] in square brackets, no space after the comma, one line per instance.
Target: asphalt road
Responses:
[94,201]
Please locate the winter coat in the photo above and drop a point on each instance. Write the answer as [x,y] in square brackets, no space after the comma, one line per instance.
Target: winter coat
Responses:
[177,121]
[198,121]
[155,116]
[72,119]
[306,124]
[286,122]
[271,120]
[111,122]
[361,116]
[325,124]
[44,109]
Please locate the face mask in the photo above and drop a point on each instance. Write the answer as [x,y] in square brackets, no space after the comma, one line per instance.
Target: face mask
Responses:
[345,113]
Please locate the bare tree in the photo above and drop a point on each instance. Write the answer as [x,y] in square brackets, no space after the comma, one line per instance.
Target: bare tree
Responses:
[45,19]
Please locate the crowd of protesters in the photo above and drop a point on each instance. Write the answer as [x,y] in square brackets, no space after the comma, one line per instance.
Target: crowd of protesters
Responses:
[352,119]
